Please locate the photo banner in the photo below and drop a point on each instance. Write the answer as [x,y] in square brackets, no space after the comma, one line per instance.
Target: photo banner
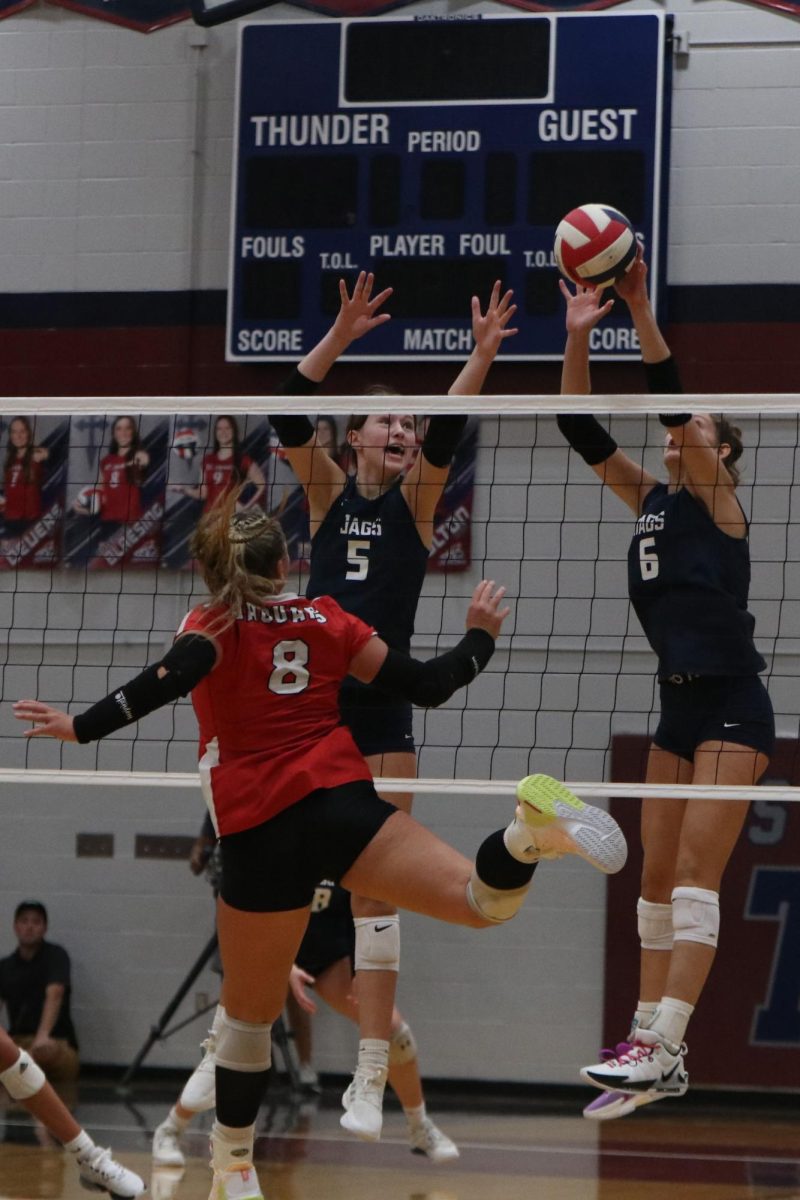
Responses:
[9,7]
[115,491]
[143,15]
[33,451]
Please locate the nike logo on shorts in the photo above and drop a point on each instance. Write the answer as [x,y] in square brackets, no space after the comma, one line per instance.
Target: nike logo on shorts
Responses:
[730,724]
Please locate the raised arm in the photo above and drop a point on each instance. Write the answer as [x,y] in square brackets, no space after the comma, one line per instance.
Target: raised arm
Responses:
[430,683]
[626,478]
[322,477]
[425,482]
[190,659]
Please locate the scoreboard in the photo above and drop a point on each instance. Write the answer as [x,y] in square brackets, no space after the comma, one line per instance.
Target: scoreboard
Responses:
[440,154]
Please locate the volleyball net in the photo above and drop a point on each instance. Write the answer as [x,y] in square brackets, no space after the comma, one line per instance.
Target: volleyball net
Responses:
[88,599]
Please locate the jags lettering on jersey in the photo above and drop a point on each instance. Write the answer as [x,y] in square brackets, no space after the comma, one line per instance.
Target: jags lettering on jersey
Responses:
[649,523]
[279,614]
[355,526]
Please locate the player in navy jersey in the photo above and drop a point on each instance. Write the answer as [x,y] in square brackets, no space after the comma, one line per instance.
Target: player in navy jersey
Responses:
[293,800]
[688,578]
[325,963]
[371,534]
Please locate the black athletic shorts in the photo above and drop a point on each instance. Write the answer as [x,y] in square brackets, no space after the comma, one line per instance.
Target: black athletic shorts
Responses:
[377,728]
[331,935]
[730,708]
[277,865]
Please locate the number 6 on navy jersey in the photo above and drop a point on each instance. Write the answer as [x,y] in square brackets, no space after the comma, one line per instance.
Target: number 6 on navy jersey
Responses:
[648,559]
[290,675]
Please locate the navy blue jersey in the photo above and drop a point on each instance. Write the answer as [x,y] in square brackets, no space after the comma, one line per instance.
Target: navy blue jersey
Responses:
[688,582]
[369,556]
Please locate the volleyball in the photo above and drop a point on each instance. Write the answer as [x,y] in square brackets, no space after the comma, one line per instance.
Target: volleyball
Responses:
[184,444]
[91,498]
[595,245]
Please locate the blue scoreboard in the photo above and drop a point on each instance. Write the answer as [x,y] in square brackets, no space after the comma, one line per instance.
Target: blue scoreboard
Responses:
[440,154]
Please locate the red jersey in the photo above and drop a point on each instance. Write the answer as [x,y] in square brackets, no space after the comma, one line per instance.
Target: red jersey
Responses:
[218,476]
[23,496]
[121,499]
[270,728]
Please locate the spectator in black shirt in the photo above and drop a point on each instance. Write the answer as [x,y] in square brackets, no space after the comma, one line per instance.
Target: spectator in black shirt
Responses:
[35,988]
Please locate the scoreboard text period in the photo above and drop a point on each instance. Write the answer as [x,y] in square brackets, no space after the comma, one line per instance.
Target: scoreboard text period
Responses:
[439,154]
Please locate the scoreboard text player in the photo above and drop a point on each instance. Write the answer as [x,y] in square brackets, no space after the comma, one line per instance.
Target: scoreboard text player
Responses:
[440,154]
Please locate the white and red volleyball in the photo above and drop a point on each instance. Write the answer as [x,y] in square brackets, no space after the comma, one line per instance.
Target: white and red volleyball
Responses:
[595,245]
[184,444]
[90,498]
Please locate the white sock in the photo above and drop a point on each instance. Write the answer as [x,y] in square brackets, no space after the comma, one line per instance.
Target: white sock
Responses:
[176,1121]
[415,1116]
[231,1147]
[81,1146]
[216,1024]
[645,1011]
[670,1021]
[518,840]
[373,1053]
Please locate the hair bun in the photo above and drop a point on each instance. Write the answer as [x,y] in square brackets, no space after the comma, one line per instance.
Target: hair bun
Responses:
[246,526]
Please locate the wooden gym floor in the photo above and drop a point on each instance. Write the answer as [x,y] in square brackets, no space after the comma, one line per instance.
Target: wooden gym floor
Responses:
[691,1149]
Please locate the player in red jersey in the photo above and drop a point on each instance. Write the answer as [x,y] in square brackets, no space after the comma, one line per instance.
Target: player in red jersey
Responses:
[121,474]
[226,467]
[21,502]
[293,799]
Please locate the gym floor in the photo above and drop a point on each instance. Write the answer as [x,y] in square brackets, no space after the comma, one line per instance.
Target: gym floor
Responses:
[512,1148]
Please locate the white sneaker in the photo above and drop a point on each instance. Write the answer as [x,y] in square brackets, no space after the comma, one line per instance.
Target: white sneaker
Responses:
[99,1172]
[308,1078]
[560,824]
[236,1183]
[166,1147]
[426,1138]
[165,1181]
[363,1104]
[199,1092]
[648,1066]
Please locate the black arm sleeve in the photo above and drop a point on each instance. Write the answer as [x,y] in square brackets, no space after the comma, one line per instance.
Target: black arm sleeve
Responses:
[442,437]
[429,684]
[186,663]
[297,384]
[292,431]
[663,380]
[586,435]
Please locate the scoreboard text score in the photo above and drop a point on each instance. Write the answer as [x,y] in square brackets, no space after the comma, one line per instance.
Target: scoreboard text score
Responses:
[440,154]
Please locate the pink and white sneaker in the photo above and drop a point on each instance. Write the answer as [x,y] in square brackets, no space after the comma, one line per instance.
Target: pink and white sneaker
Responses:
[610,1105]
[645,1065]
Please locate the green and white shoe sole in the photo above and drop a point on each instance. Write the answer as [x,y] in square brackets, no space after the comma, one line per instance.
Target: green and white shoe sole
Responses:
[563,824]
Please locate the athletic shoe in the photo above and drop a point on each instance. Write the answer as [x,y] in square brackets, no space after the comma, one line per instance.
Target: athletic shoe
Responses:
[645,1066]
[426,1138]
[308,1079]
[363,1104]
[610,1105]
[164,1182]
[166,1147]
[99,1172]
[199,1092]
[236,1183]
[561,824]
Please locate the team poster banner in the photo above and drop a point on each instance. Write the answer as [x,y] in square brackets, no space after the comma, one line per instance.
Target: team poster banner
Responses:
[33,451]
[209,455]
[142,15]
[115,491]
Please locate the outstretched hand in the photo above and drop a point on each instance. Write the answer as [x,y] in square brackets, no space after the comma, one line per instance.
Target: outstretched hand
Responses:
[489,329]
[47,721]
[358,313]
[298,981]
[584,309]
[484,610]
[632,286]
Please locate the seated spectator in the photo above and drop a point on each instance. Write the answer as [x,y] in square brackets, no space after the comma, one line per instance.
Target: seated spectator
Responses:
[35,988]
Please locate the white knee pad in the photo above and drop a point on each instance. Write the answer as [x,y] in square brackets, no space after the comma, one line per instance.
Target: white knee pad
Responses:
[494,904]
[377,943]
[24,1078]
[402,1047]
[655,925]
[695,915]
[242,1046]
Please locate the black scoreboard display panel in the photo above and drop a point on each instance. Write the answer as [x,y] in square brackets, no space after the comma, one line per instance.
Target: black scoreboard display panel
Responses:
[440,154]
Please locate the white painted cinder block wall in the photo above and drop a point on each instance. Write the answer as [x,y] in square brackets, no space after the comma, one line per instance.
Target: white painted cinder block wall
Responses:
[116,176]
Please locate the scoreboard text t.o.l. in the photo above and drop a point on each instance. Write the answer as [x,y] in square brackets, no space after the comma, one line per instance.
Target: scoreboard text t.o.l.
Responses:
[440,154]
